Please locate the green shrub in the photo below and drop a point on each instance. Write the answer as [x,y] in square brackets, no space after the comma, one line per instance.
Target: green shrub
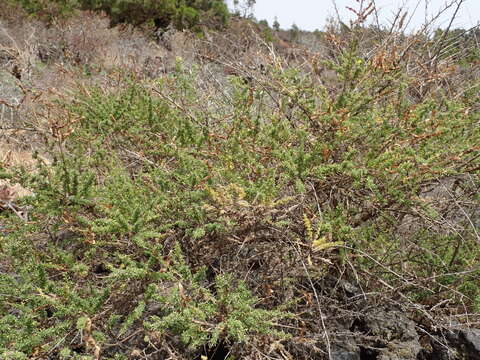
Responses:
[181,14]
[203,317]
[156,179]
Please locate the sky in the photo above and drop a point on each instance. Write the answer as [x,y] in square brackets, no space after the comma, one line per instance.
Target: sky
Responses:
[312,14]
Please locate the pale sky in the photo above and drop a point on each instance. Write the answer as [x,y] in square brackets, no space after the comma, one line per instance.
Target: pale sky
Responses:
[312,14]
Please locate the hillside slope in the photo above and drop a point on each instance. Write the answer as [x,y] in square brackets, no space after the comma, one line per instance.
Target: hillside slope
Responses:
[237,192]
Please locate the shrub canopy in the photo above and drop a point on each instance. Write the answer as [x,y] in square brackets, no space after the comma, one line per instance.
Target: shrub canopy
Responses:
[182,14]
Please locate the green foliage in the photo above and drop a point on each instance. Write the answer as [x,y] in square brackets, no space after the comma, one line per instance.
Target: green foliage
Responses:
[203,317]
[267,34]
[120,212]
[46,9]
[181,14]
[145,174]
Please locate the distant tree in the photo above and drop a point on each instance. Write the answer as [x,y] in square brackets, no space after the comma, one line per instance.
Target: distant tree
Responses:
[244,7]
[276,24]
[182,14]
[267,33]
[318,34]
[294,32]
[263,23]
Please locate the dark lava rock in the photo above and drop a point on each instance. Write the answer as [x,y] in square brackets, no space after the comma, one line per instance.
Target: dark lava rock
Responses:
[471,342]
[345,355]
[465,341]
[383,334]
[348,350]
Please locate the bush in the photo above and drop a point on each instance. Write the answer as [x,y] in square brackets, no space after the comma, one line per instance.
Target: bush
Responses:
[173,217]
[161,13]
